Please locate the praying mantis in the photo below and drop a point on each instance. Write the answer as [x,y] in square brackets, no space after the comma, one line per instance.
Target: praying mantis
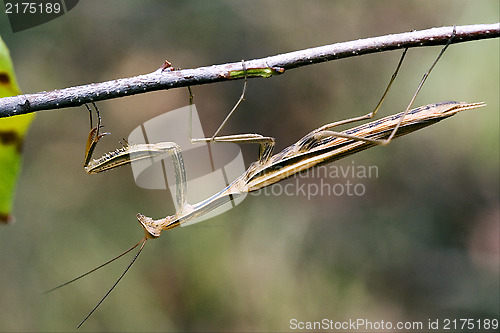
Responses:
[320,146]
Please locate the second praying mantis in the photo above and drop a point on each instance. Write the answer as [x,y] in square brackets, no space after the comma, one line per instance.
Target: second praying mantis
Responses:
[320,146]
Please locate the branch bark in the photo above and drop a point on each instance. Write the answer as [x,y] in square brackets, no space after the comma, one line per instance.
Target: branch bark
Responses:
[164,79]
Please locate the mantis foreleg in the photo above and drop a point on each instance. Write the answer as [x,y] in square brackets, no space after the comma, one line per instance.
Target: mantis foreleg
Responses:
[136,152]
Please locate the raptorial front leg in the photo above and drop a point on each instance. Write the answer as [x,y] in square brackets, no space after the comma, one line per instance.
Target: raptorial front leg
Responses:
[94,136]
[154,227]
[128,154]
[175,153]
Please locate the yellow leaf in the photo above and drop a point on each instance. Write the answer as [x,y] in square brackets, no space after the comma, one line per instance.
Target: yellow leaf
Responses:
[12,132]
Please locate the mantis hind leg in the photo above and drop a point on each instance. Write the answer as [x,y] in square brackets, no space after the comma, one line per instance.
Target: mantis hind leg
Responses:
[325,130]
[379,104]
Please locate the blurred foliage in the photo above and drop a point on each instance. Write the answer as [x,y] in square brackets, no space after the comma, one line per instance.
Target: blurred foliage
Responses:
[421,243]
[12,132]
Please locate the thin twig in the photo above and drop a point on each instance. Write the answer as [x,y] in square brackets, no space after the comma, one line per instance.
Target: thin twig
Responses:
[164,79]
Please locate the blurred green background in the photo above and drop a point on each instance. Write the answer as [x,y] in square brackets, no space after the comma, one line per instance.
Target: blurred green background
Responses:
[421,243]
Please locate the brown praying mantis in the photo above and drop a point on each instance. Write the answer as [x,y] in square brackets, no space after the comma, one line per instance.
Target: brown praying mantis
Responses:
[320,146]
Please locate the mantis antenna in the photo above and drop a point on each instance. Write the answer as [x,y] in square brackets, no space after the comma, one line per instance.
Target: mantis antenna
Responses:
[142,243]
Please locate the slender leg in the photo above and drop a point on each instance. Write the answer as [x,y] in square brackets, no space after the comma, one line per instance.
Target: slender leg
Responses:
[242,97]
[266,144]
[214,136]
[324,130]
[384,142]
[374,112]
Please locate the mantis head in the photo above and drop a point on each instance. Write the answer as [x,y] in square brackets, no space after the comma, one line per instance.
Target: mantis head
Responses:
[153,228]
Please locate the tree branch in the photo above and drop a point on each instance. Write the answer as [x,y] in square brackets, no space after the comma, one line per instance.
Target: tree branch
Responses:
[168,78]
